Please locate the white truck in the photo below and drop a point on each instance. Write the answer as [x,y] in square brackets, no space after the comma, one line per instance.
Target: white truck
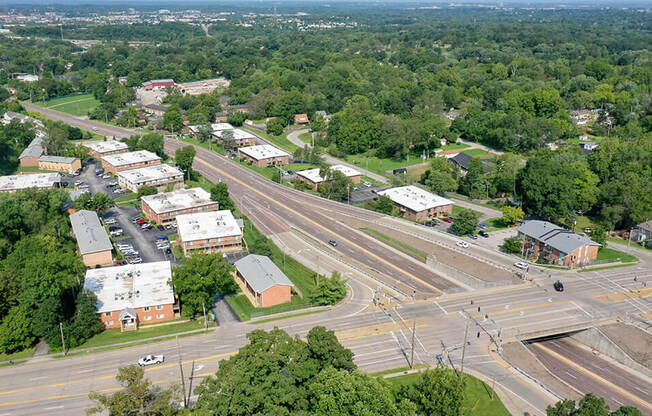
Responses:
[151,359]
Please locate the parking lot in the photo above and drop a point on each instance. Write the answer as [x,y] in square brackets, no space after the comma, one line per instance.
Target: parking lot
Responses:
[365,193]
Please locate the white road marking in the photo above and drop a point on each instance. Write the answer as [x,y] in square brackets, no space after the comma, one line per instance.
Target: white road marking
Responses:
[439,306]
[582,309]
[570,374]
[84,371]
[53,408]
[38,378]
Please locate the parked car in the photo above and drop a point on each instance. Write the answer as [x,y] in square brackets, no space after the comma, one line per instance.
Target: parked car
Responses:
[473,236]
[99,171]
[462,244]
[140,221]
[151,359]
[168,250]
[124,246]
[522,265]
[77,183]
[559,286]
[145,226]
[448,220]
[136,260]
[116,233]
[484,234]
[332,243]
[162,237]
[105,176]
[483,226]
[120,262]
[110,221]
[367,185]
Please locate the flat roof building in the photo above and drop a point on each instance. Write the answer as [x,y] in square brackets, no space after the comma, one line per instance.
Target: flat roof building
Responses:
[132,294]
[418,204]
[93,241]
[129,160]
[264,155]
[99,148]
[158,176]
[13,183]
[209,232]
[164,208]
[262,281]
[231,139]
[312,177]
[59,163]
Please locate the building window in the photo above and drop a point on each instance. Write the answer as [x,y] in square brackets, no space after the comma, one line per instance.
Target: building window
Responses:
[107,313]
[109,323]
[148,318]
[159,307]
[146,308]
[160,316]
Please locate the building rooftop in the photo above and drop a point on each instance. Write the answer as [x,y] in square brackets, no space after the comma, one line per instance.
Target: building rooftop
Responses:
[313,174]
[261,273]
[150,173]
[555,236]
[35,148]
[238,134]
[128,158]
[176,200]
[647,226]
[415,198]
[130,286]
[37,180]
[262,151]
[101,146]
[215,127]
[462,160]
[203,225]
[157,107]
[57,159]
[89,232]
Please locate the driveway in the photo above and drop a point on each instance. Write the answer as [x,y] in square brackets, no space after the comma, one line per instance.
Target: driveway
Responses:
[293,136]
[475,145]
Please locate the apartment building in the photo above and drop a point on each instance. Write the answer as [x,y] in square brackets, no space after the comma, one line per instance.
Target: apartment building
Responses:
[264,155]
[161,177]
[93,241]
[129,160]
[13,183]
[314,179]
[164,208]
[59,163]
[209,232]
[417,204]
[99,148]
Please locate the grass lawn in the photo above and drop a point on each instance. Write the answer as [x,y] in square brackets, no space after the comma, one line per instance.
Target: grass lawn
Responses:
[378,165]
[487,205]
[214,147]
[608,255]
[372,181]
[396,243]
[128,200]
[294,315]
[114,336]
[458,209]
[496,224]
[78,105]
[296,167]
[279,141]
[306,137]
[597,269]
[17,355]
[620,241]
[32,169]
[482,154]
[583,222]
[455,146]
[199,181]
[415,172]
[477,395]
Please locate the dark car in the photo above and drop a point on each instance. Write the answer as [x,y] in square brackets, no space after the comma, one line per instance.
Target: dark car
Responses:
[484,234]
[473,236]
[332,243]
[559,286]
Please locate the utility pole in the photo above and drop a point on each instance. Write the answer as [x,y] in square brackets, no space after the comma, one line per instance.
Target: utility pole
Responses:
[466,332]
[205,321]
[414,328]
[183,381]
[63,342]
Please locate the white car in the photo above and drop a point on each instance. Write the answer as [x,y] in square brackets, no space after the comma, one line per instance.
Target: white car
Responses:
[462,244]
[151,359]
[522,265]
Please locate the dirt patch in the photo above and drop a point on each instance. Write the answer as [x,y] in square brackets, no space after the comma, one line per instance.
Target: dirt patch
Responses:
[371,330]
[634,341]
[518,355]
[621,296]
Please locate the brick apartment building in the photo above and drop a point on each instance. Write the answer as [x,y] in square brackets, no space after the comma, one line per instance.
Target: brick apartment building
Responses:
[312,177]
[129,160]
[262,281]
[158,176]
[134,294]
[264,155]
[417,204]
[556,245]
[59,163]
[30,155]
[231,139]
[164,208]
[99,148]
[93,241]
[209,232]
[13,183]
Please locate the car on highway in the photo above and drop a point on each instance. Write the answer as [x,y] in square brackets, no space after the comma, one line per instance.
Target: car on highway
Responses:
[151,359]
[484,234]
[522,265]
[559,286]
[462,244]
[332,243]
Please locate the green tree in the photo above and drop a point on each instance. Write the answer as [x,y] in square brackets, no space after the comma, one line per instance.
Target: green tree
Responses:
[474,183]
[85,323]
[513,245]
[220,194]
[173,120]
[236,118]
[184,157]
[384,205]
[466,221]
[335,184]
[146,190]
[599,235]
[275,127]
[325,348]
[205,133]
[437,392]
[198,279]
[329,291]
[441,177]
[152,142]
[137,397]
[260,245]
[512,215]
[16,332]
[56,139]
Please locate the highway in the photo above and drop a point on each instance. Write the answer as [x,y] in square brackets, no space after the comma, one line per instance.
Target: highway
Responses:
[301,226]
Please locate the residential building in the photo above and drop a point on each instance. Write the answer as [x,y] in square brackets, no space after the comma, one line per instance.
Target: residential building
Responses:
[327,117]
[264,155]
[156,109]
[262,281]
[11,115]
[462,160]
[642,233]
[556,245]
[39,181]
[93,241]
[159,176]
[159,84]
[231,139]
[164,208]
[417,204]
[209,232]
[59,163]
[588,147]
[99,148]
[301,119]
[215,127]
[30,155]
[129,160]
[312,177]
[132,294]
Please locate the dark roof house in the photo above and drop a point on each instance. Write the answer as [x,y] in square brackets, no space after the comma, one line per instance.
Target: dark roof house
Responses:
[561,239]
[462,160]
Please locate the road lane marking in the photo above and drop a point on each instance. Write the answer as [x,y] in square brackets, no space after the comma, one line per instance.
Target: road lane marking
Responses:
[594,376]
[522,308]
[38,378]
[318,225]
[439,306]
